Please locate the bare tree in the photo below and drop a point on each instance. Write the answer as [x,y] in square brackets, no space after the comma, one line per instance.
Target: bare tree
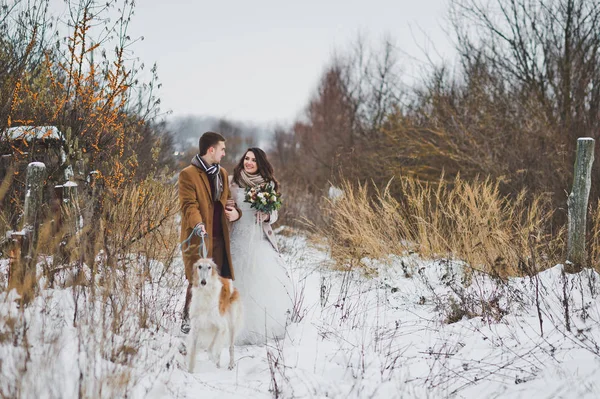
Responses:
[550,49]
[239,137]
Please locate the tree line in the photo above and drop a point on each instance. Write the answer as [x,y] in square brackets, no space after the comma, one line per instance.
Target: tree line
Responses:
[525,85]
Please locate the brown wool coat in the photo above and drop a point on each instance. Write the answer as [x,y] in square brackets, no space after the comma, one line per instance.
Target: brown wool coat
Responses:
[195,199]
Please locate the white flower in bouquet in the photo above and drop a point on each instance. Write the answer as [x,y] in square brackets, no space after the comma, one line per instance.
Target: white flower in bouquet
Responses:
[263,198]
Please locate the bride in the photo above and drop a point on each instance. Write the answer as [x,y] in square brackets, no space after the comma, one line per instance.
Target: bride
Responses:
[260,274]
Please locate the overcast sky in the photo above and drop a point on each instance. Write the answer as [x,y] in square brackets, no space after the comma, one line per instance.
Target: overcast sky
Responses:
[260,60]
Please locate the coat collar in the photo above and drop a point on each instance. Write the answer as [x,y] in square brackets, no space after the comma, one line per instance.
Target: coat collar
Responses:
[204,178]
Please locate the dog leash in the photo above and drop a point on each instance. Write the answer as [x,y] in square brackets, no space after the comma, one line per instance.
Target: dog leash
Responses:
[202,247]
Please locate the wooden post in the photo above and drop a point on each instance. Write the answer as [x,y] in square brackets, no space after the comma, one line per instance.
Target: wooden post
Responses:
[26,239]
[577,204]
[36,174]
[70,205]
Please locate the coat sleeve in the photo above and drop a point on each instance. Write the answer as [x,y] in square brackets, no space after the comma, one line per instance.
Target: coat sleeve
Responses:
[273,216]
[190,208]
[230,181]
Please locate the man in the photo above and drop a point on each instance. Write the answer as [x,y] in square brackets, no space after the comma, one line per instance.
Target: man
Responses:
[203,195]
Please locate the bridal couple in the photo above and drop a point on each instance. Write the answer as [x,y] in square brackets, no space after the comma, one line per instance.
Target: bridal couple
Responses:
[237,237]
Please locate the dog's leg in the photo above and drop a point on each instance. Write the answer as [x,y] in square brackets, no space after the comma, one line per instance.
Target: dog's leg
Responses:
[192,349]
[231,342]
[212,343]
[214,353]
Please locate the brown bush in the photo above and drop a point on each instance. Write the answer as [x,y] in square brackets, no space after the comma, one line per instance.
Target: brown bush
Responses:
[469,221]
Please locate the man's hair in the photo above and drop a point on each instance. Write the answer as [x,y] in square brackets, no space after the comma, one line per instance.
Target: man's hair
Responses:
[208,140]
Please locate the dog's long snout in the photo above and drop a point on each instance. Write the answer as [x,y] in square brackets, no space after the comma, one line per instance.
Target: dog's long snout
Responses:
[203,282]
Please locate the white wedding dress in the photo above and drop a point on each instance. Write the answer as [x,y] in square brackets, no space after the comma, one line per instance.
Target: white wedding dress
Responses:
[260,276]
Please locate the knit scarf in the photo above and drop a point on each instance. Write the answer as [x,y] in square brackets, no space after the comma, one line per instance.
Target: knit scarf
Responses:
[213,172]
[248,180]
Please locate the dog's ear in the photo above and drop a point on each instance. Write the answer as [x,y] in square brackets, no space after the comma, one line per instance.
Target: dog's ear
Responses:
[215,268]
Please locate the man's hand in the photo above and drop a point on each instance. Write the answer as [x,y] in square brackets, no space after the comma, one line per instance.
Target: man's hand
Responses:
[199,230]
[232,214]
[230,204]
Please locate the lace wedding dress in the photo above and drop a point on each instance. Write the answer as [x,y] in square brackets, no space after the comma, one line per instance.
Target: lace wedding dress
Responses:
[260,276]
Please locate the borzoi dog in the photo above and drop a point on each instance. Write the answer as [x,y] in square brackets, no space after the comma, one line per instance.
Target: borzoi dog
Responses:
[215,313]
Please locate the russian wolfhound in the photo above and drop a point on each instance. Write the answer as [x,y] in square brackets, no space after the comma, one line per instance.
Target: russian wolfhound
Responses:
[215,314]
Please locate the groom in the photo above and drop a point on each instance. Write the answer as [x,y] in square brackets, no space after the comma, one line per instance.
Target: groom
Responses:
[203,195]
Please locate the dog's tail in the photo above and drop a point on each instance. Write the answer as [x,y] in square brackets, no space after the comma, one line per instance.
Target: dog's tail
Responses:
[228,295]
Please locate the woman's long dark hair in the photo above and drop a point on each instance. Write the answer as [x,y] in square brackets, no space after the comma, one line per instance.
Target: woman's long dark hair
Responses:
[265,169]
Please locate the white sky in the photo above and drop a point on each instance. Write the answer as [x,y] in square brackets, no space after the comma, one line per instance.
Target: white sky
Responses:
[260,60]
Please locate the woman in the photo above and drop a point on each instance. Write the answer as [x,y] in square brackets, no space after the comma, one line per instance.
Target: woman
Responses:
[261,276]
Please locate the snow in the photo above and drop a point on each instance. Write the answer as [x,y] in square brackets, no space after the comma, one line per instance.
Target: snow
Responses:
[39,165]
[335,193]
[29,133]
[70,184]
[69,174]
[94,173]
[380,332]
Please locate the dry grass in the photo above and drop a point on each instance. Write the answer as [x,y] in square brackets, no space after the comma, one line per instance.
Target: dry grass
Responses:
[468,220]
[594,241]
[141,220]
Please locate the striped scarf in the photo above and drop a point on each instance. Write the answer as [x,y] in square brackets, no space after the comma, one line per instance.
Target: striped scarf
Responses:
[213,172]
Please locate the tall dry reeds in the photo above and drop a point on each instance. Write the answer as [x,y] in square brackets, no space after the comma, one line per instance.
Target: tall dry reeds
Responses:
[466,220]
[593,243]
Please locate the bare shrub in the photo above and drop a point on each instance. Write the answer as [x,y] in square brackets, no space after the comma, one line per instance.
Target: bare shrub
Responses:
[277,368]
[112,293]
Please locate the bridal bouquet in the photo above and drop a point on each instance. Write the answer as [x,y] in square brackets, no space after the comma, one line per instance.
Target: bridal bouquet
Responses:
[263,198]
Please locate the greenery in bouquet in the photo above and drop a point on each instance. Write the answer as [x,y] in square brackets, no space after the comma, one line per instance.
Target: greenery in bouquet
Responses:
[263,198]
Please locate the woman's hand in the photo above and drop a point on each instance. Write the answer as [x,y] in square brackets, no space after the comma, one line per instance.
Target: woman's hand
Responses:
[262,217]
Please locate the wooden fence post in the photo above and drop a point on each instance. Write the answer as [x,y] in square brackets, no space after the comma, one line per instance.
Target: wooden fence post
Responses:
[36,174]
[577,205]
[27,237]
[70,204]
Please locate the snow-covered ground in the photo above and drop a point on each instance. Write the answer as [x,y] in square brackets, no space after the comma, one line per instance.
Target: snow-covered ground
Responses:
[380,333]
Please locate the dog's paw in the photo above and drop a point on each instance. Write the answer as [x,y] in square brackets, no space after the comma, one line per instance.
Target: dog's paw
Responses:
[231,366]
[182,349]
[185,326]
